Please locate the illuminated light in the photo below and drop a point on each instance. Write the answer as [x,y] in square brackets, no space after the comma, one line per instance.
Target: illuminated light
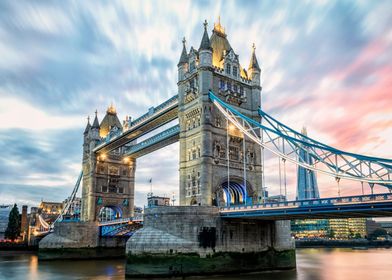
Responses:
[218,27]
[102,157]
[126,160]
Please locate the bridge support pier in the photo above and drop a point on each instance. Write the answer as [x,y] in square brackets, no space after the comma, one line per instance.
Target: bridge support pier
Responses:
[79,240]
[186,240]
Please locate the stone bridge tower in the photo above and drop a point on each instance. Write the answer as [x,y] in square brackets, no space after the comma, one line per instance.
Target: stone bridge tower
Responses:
[207,144]
[108,179]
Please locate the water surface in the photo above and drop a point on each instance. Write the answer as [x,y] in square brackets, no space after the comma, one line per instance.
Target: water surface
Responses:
[312,264]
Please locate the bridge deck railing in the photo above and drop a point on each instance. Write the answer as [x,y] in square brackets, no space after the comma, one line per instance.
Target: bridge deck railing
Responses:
[371,198]
[154,110]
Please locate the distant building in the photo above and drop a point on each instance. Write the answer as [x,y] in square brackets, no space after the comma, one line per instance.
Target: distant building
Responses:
[74,209]
[4,214]
[387,226]
[371,226]
[50,208]
[24,224]
[348,228]
[274,198]
[308,229]
[137,213]
[307,187]
[158,201]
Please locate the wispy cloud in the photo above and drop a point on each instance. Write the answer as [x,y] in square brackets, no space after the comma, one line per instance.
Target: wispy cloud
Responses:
[326,65]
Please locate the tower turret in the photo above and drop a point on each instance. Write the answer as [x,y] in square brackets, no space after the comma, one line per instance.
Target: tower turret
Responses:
[86,138]
[95,127]
[205,49]
[183,63]
[254,68]
[88,127]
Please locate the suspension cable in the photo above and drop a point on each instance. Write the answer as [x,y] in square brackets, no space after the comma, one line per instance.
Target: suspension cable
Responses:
[228,157]
[284,173]
[244,159]
[262,165]
[280,176]
[338,182]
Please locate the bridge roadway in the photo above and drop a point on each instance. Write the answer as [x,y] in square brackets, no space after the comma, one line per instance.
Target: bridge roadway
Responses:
[153,119]
[366,206]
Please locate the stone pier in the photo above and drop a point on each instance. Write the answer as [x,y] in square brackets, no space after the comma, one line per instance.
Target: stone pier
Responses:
[79,240]
[189,240]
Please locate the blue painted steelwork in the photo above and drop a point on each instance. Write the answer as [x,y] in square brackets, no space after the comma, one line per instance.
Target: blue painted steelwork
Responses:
[286,143]
[120,229]
[166,134]
[367,205]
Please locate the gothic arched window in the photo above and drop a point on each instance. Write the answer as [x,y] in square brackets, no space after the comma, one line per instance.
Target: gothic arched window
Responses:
[228,69]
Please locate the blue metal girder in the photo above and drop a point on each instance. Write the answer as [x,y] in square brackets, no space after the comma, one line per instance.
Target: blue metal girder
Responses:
[316,144]
[326,211]
[343,165]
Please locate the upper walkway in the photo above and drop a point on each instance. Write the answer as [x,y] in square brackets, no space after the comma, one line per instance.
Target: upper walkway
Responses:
[153,119]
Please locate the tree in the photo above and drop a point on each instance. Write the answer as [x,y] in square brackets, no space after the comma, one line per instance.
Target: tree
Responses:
[13,229]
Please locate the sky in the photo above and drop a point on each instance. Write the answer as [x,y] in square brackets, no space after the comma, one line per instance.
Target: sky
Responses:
[326,65]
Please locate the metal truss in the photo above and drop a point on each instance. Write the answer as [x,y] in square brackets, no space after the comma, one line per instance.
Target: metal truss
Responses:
[286,143]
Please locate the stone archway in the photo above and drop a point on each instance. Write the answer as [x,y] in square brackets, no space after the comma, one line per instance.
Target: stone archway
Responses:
[109,213]
[233,192]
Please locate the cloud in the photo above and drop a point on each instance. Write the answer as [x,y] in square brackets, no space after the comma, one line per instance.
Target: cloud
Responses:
[325,64]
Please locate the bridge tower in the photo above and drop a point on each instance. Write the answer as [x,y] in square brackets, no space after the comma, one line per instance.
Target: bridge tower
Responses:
[108,179]
[208,145]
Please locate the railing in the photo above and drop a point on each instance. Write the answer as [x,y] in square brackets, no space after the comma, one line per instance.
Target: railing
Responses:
[372,198]
[116,221]
[154,139]
[154,110]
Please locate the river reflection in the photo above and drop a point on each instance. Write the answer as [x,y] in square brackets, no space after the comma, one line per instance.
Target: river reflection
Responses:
[312,264]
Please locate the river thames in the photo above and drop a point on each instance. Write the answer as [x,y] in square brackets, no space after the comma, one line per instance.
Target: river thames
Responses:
[312,264]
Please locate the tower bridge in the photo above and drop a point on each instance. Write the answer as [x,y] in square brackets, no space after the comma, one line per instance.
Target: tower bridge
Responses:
[223,136]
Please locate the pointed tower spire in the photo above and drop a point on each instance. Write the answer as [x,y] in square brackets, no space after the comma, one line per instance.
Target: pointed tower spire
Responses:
[253,64]
[205,41]
[88,126]
[96,122]
[184,55]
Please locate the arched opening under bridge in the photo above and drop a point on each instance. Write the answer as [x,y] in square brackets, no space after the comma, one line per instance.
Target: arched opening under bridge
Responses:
[233,192]
[109,213]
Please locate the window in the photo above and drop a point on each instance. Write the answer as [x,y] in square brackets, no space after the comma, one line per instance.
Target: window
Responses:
[222,84]
[194,154]
[228,69]
[242,90]
[124,172]
[229,86]
[192,66]
[235,88]
[192,83]
[235,71]
[120,190]
[104,189]
[112,189]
